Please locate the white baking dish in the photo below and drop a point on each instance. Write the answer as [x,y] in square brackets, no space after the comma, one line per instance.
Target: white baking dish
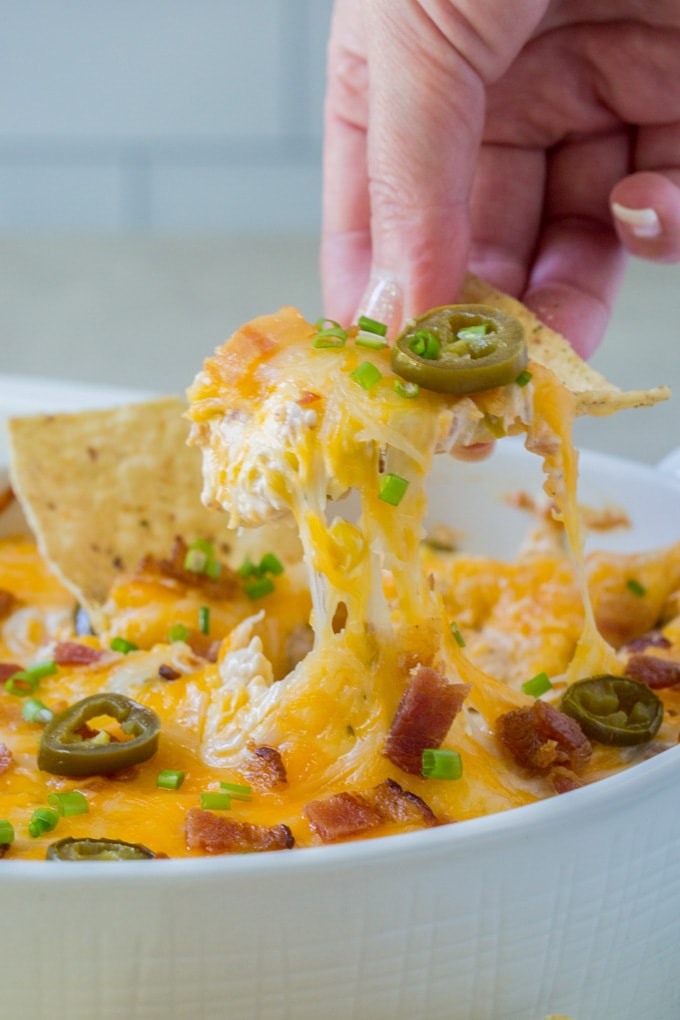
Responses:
[570,906]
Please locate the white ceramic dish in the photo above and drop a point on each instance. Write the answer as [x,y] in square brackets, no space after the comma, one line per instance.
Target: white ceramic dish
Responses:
[570,906]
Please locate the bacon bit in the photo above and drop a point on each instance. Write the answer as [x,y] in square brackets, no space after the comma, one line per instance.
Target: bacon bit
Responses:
[653,639]
[70,653]
[203,645]
[7,601]
[7,497]
[424,717]
[653,671]
[168,673]
[6,758]
[308,397]
[264,768]
[213,834]
[342,816]
[226,586]
[399,805]
[346,815]
[124,775]
[8,669]
[540,737]
[563,780]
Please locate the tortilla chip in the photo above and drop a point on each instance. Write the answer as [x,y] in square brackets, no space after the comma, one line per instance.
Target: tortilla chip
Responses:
[102,488]
[594,394]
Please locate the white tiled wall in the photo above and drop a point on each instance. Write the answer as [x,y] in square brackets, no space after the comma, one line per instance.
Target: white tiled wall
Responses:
[161,114]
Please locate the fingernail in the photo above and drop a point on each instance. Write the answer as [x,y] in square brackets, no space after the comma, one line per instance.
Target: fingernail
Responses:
[382,300]
[642,222]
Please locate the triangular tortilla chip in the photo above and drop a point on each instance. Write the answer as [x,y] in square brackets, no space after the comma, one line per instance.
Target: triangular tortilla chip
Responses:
[102,488]
[594,394]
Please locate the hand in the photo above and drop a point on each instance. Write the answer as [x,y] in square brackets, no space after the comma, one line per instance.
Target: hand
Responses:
[534,142]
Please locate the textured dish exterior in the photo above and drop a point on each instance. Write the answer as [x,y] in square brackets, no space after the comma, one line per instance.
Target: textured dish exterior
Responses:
[571,906]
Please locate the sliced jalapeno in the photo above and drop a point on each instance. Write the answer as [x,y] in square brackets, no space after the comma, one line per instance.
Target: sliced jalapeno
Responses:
[70,849]
[64,751]
[614,709]
[461,349]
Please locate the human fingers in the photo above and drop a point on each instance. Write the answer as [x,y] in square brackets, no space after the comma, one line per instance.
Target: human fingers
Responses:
[346,234]
[579,262]
[646,204]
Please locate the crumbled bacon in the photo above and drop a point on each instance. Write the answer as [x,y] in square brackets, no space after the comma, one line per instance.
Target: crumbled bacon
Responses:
[399,805]
[7,601]
[342,816]
[6,758]
[264,768]
[653,671]
[349,814]
[563,780]
[423,718]
[8,669]
[223,587]
[203,645]
[7,497]
[71,653]
[652,639]
[214,834]
[541,737]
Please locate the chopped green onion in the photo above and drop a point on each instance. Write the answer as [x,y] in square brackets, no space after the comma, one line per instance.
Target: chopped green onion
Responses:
[213,569]
[455,630]
[425,344]
[178,632]
[215,801]
[259,588]
[204,619]
[636,588]
[120,644]
[405,389]
[204,546]
[248,569]
[370,342]
[170,779]
[237,792]
[524,378]
[196,561]
[473,332]
[392,489]
[43,820]
[6,832]
[26,681]
[372,326]
[72,802]
[34,710]
[270,564]
[440,763]
[537,686]
[329,334]
[366,375]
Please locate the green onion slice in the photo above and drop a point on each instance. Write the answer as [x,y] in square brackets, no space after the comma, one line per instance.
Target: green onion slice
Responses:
[204,619]
[26,681]
[215,801]
[392,489]
[34,710]
[43,820]
[72,802]
[120,644]
[370,341]
[537,686]
[406,389]
[170,779]
[178,632]
[237,791]
[329,334]
[635,587]
[270,564]
[524,378]
[455,630]
[259,588]
[440,763]
[368,325]
[6,832]
[366,375]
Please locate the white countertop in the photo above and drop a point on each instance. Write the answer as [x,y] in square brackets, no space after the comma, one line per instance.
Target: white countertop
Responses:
[144,311]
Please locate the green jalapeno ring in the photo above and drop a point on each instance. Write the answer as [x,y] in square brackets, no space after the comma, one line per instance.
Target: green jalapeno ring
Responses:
[614,710]
[462,365]
[63,752]
[101,849]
